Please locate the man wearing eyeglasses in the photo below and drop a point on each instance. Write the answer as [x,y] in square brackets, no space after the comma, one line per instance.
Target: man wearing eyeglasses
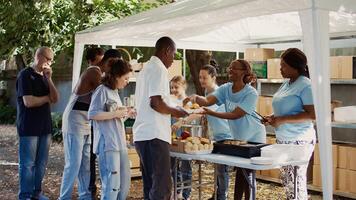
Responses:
[35,92]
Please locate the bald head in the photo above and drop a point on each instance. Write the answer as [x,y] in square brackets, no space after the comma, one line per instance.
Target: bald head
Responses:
[165,50]
[43,58]
[44,51]
[164,43]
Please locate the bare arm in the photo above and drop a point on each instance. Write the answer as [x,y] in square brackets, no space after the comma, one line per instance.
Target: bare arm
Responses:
[119,113]
[202,101]
[235,114]
[157,104]
[308,114]
[89,81]
[53,92]
[33,101]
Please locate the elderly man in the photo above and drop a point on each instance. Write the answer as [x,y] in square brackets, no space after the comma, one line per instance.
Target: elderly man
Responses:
[152,128]
[35,92]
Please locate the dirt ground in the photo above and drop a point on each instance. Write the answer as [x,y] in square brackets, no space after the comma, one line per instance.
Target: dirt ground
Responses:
[52,180]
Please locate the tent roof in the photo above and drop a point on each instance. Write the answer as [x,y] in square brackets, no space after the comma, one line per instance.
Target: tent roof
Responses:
[226,25]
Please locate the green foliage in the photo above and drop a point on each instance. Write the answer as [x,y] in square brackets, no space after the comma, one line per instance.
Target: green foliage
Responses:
[28,24]
[224,59]
[57,127]
[7,114]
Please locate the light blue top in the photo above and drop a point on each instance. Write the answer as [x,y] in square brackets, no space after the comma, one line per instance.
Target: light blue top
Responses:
[112,130]
[219,127]
[247,127]
[289,100]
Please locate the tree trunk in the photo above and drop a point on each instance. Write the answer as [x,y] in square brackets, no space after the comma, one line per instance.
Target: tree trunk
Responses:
[196,60]
[20,63]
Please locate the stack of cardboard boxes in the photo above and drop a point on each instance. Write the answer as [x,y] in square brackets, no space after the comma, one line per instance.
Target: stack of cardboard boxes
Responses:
[344,165]
[134,163]
[272,173]
[274,68]
[342,67]
[258,57]
[264,105]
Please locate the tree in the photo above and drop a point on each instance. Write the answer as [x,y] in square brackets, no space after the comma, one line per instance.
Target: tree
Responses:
[27,24]
[196,60]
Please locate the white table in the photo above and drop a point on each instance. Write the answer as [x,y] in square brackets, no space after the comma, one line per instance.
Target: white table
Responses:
[234,161]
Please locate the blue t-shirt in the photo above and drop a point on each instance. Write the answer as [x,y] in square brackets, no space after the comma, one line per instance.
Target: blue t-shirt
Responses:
[289,100]
[219,127]
[35,121]
[247,127]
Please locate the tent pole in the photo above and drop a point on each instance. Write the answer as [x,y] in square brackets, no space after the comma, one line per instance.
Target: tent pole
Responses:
[315,29]
[184,64]
[77,62]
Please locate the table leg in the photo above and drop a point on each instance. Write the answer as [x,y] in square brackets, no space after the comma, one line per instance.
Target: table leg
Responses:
[175,179]
[215,181]
[199,172]
[253,188]
[295,182]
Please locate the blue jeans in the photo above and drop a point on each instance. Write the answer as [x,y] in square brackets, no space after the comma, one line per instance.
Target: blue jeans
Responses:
[222,181]
[33,157]
[77,165]
[114,167]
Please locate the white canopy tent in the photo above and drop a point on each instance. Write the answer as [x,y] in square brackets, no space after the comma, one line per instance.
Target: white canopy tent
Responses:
[233,25]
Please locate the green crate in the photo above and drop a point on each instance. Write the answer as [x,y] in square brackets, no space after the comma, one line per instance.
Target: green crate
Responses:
[259,68]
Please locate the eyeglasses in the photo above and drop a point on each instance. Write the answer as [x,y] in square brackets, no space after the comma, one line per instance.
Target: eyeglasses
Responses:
[48,59]
[234,68]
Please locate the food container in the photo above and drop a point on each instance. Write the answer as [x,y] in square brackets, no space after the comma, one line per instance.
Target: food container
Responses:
[194,130]
[248,150]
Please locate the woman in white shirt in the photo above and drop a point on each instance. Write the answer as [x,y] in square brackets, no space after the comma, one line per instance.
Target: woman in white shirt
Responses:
[108,115]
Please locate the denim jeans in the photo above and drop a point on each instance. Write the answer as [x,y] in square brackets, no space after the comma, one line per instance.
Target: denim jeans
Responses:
[33,157]
[77,165]
[114,168]
[155,167]
[222,181]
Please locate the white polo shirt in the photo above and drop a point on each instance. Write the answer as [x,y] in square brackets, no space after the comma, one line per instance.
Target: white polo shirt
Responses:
[150,124]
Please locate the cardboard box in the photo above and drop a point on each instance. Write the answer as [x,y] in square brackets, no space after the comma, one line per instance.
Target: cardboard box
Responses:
[342,182]
[342,67]
[134,158]
[317,155]
[259,68]
[351,158]
[316,175]
[258,54]
[352,181]
[275,173]
[342,157]
[175,69]
[346,66]
[265,173]
[317,181]
[265,105]
[274,68]
[334,67]
[177,146]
